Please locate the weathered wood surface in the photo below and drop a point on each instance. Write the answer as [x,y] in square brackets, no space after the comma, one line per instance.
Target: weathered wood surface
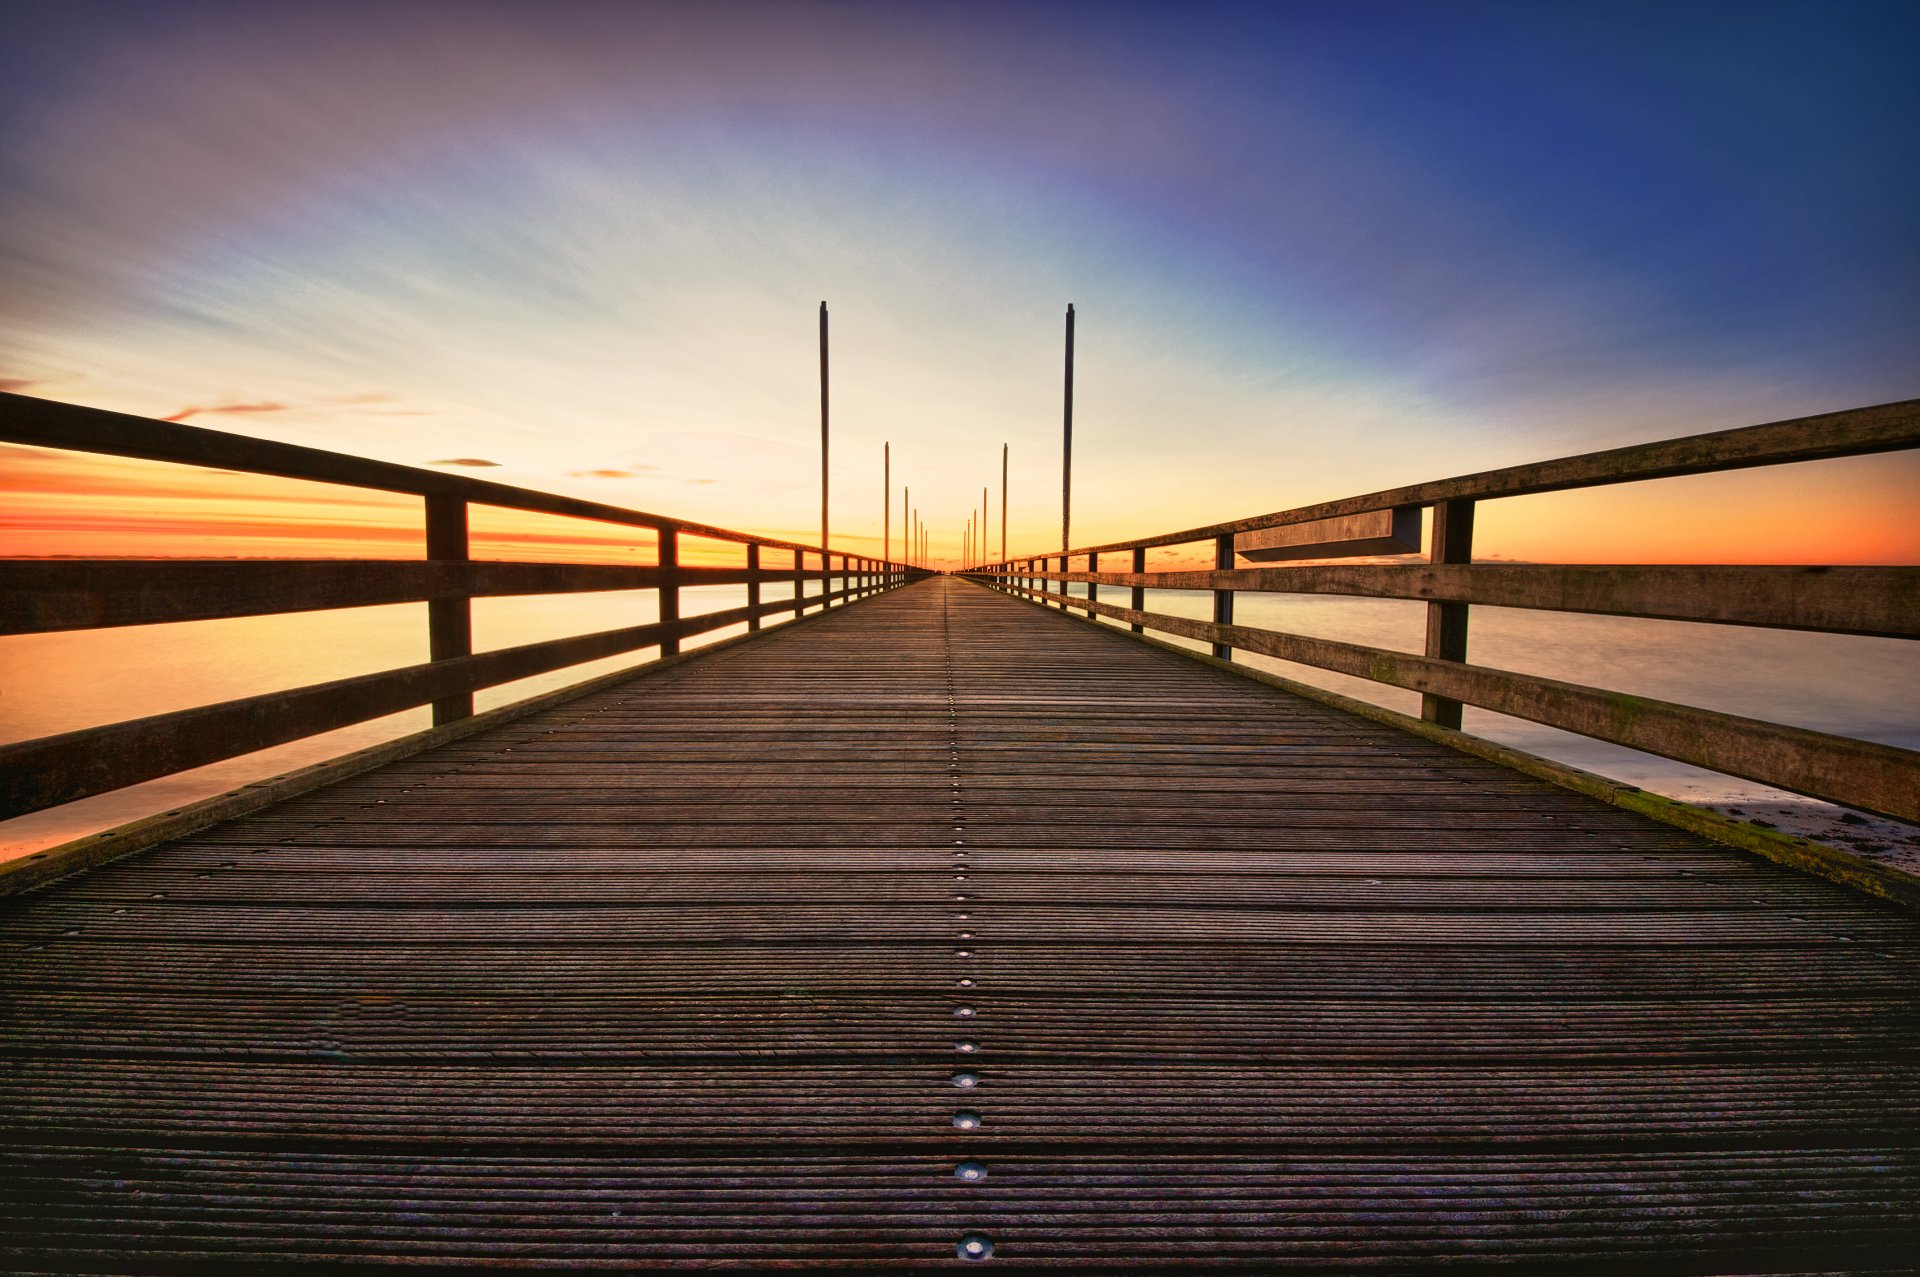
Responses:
[51,770]
[1841,769]
[48,423]
[1375,532]
[1855,432]
[1839,600]
[40,595]
[669,976]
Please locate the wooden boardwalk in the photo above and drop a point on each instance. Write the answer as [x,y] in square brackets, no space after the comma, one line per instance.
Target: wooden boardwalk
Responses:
[944,921]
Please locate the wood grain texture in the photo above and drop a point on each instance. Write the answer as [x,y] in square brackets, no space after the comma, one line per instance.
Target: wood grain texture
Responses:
[667,977]
[1840,769]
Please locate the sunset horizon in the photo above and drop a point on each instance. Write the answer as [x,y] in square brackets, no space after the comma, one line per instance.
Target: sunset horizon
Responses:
[581,252]
[872,636]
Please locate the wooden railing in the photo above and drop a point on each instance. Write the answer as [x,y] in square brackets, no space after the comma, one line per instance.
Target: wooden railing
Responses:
[1881,601]
[37,596]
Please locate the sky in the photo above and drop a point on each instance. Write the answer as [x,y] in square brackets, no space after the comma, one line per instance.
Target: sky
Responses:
[1314,250]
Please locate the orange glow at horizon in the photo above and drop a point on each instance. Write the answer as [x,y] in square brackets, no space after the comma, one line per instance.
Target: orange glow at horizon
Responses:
[60,504]
[77,505]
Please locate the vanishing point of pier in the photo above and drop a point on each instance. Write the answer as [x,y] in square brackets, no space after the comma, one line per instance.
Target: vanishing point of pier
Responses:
[949,925]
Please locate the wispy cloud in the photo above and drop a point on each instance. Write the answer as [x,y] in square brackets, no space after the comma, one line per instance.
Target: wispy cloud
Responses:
[1314,252]
[236,408]
[474,462]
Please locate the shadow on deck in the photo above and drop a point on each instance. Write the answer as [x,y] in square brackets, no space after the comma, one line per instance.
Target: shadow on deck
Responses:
[945,921]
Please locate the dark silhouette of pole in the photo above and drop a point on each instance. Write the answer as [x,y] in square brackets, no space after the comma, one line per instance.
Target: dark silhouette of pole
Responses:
[886,502]
[826,570]
[984,521]
[1003,503]
[1066,448]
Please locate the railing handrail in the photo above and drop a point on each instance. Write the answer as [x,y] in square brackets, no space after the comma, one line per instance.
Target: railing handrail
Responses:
[42,595]
[1866,600]
[49,423]
[1888,427]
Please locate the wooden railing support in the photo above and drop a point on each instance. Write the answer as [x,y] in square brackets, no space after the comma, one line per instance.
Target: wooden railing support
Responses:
[1222,599]
[1093,590]
[669,587]
[1447,622]
[753,587]
[1139,596]
[449,621]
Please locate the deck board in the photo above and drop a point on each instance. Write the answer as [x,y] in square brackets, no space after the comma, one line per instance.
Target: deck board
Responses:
[679,974]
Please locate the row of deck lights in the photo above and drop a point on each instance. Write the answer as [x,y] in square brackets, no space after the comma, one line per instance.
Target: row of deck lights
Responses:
[972,1247]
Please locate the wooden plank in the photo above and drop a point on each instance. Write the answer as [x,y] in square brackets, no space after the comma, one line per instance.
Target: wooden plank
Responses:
[45,423]
[41,595]
[1842,600]
[1865,774]
[1374,532]
[61,769]
[1888,427]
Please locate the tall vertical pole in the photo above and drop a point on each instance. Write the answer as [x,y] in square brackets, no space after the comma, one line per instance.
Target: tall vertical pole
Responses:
[886,502]
[826,566]
[1066,447]
[985,520]
[1003,503]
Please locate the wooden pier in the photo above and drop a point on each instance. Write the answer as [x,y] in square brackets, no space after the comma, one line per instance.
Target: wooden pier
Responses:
[922,921]
[942,922]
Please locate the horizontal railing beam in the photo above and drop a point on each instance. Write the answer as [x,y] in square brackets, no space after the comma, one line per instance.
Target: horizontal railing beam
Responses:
[1879,601]
[40,595]
[1864,774]
[1856,432]
[74,765]
[46,423]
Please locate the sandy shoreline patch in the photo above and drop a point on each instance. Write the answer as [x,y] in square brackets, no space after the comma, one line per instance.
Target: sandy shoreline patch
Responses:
[1891,842]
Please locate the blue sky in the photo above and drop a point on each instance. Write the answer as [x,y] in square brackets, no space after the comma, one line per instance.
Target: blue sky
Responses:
[1315,249]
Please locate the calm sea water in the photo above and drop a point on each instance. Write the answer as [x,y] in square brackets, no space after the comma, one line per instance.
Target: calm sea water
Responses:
[1863,687]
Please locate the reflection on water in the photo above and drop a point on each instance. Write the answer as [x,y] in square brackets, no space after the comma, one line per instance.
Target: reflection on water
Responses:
[60,682]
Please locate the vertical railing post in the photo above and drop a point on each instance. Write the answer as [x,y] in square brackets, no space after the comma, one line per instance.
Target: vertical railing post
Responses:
[1138,599]
[1062,584]
[1223,599]
[669,588]
[1447,622]
[449,621]
[1093,591]
[799,582]
[753,586]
